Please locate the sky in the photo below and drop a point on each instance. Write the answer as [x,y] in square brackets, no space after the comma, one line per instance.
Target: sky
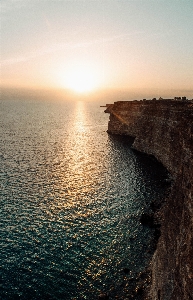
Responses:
[87,45]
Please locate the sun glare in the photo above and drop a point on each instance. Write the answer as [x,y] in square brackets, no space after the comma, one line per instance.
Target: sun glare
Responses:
[81,79]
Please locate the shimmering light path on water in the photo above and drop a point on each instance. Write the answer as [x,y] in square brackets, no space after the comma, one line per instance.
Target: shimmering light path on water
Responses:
[70,198]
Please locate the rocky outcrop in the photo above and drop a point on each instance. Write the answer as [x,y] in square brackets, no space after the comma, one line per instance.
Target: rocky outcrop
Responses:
[164,128]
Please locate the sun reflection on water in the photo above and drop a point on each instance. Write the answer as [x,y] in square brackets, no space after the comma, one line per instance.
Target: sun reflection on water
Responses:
[78,177]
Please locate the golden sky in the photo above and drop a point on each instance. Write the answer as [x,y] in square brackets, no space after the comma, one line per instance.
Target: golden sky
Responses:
[92,44]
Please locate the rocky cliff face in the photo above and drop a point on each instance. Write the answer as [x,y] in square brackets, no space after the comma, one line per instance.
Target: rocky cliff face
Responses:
[164,128]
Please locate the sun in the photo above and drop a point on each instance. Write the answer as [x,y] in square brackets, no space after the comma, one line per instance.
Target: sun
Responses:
[81,78]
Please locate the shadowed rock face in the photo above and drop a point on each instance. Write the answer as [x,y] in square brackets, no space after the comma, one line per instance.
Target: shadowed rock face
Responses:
[164,129]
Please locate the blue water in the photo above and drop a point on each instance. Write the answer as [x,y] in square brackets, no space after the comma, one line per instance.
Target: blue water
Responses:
[71,197]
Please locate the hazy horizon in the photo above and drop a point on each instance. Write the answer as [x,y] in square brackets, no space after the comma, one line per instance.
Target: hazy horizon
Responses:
[102,96]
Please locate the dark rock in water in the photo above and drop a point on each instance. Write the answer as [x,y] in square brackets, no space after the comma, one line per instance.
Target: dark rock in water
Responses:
[157,234]
[155,206]
[126,270]
[140,291]
[147,219]
[103,297]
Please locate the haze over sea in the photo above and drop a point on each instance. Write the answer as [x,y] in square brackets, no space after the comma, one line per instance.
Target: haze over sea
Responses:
[71,200]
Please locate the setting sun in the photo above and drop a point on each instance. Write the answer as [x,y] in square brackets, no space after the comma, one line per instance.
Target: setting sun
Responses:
[81,78]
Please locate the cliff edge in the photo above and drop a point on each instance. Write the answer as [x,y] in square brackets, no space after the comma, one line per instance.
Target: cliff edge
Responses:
[164,128]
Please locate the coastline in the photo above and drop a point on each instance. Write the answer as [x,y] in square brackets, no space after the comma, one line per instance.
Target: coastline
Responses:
[164,129]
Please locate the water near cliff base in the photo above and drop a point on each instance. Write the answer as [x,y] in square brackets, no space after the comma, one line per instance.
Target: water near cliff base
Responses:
[71,200]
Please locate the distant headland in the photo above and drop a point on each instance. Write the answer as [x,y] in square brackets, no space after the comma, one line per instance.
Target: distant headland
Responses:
[164,128]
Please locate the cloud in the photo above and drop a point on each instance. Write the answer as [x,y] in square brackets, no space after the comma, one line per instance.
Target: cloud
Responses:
[65,46]
[68,46]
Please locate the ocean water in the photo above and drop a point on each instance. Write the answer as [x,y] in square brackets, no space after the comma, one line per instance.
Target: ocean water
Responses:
[71,197]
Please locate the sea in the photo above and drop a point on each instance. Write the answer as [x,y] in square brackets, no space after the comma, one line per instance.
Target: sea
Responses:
[71,199]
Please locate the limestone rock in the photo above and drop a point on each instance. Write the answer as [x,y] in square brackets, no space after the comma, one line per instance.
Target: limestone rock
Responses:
[164,129]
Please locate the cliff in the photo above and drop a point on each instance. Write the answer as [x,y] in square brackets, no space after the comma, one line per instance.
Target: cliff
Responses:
[164,128]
